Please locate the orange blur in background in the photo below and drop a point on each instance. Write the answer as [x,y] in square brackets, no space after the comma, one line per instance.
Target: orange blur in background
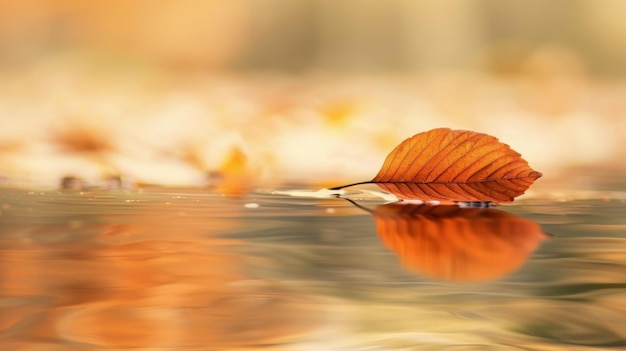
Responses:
[306,91]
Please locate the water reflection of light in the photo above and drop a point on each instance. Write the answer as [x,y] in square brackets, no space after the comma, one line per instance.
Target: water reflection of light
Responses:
[154,279]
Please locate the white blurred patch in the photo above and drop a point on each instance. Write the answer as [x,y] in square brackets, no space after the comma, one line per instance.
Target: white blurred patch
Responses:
[322,193]
[385,196]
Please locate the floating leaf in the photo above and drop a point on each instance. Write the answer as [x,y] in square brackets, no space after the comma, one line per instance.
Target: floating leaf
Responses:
[454,243]
[454,165]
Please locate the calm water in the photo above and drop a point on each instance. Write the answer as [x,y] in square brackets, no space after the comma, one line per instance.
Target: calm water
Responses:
[186,269]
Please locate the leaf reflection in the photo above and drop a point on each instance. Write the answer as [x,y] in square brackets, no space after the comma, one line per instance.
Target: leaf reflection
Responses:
[455,243]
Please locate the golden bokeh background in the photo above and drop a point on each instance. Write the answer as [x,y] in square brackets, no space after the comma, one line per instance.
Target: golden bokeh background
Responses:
[350,35]
[190,92]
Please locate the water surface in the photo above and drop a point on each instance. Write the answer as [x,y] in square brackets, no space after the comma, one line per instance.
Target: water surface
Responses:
[189,269]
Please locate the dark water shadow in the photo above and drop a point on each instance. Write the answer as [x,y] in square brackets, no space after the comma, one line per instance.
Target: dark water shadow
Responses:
[454,243]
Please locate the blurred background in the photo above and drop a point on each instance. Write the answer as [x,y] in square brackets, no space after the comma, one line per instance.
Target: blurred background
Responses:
[244,93]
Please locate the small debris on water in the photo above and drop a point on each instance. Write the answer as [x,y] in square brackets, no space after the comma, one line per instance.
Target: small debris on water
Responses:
[72,183]
[251,205]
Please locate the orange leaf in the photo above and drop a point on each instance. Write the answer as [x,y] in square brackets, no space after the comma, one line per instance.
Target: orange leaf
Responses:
[235,175]
[454,165]
[454,243]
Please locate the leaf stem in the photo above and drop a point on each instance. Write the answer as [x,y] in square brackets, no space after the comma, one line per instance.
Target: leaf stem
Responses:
[358,206]
[349,185]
